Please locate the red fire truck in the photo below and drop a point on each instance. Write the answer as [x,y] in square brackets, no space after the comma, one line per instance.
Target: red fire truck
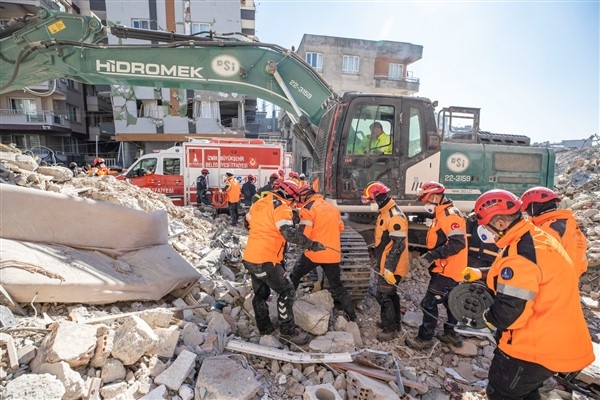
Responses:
[174,171]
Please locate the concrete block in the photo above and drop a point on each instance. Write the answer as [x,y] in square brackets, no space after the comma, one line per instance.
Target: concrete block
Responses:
[321,392]
[174,376]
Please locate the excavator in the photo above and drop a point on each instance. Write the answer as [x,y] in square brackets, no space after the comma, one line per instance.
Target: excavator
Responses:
[424,145]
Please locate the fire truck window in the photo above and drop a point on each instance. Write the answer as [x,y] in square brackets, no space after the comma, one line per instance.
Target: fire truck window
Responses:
[146,167]
[414,133]
[171,166]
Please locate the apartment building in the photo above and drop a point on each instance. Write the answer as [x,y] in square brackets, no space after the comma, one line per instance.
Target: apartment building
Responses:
[370,66]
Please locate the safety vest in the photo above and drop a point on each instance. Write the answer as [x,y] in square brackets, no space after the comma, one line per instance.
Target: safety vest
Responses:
[322,222]
[391,223]
[551,330]
[233,189]
[265,218]
[448,223]
[562,225]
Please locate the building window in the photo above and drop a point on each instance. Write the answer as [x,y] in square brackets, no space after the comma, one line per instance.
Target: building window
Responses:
[395,72]
[140,23]
[23,106]
[200,27]
[73,113]
[350,65]
[315,60]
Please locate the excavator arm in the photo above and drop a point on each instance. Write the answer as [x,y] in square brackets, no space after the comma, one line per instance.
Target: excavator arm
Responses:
[55,45]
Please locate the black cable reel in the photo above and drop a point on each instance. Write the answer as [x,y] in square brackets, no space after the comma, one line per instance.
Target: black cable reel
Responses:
[468,301]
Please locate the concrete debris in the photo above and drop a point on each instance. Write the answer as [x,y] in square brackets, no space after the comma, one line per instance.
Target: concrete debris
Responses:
[201,342]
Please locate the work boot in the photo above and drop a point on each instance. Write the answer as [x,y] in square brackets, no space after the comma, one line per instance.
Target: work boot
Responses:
[398,327]
[419,344]
[386,335]
[296,337]
[268,330]
[451,338]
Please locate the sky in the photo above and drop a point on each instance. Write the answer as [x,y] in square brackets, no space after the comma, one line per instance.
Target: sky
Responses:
[531,66]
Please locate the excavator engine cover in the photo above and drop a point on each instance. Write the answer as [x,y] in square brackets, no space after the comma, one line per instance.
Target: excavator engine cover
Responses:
[468,301]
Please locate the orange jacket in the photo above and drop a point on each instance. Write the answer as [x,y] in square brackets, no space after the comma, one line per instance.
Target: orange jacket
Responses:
[562,225]
[233,189]
[447,241]
[322,222]
[535,272]
[98,171]
[265,218]
[391,223]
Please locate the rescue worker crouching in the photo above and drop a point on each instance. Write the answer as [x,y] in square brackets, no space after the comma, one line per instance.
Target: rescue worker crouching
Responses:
[321,220]
[233,190]
[541,204]
[445,259]
[391,253]
[536,309]
[270,225]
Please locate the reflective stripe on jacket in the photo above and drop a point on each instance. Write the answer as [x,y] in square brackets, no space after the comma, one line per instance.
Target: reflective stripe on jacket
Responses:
[447,241]
[265,219]
[233,190]
[562,225]
[321,221]
[391,223]
[551,329]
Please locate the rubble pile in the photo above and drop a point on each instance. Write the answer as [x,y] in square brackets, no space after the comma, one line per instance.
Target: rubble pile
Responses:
[200,342]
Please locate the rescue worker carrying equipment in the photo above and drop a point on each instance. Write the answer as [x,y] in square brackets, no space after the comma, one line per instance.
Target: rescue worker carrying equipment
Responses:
[233,190]
[445,259]
[391,254]
[270,226]
[320,220]
[536,311]
[541,204]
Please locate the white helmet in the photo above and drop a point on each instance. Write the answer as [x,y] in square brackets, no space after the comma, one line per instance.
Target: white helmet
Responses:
[229,172]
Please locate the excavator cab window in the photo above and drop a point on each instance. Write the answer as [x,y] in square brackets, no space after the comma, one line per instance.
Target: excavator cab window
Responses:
[371,131]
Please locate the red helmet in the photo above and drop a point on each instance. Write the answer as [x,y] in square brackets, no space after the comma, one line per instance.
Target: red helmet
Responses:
[428,189]
[538,194]
[305,191]
[251,177]
[281,173]
[274,175]
[288,190]
[98,160]
[293,174]
[204,171]
[496,202]
[276,183]
[372,190]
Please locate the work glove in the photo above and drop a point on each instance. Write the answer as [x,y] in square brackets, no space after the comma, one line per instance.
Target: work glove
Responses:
[389,277]
[471,274]
[316,246]
[426,259]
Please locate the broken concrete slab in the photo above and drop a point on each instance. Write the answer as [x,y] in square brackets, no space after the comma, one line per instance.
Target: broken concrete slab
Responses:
[176,373]
[224,379]
[132,340]
[67,341]
[34,386]
[321,392]
[333,342]
[71,380]
[311,318]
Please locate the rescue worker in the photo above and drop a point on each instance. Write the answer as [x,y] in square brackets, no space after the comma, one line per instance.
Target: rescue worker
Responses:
[233,190]
[446,257]
[249,190]
[378,142]
[267,188]
[202,188]
[293,176]
[270,225]
[481,255]
[321,220]
[99,168]
[536,309]
[541,204]
[391,253]
[302,181]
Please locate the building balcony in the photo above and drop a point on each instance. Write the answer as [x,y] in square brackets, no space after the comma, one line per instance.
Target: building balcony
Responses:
[49,120]
[406,84]
[98,103]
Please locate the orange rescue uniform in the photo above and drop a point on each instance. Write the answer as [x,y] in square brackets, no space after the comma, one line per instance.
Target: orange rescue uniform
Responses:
[551,329]
[563,227]
[233,189]
[265,219]
[326,229]
[391,222]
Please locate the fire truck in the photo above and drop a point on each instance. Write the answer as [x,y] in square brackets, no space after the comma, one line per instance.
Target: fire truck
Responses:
[173,171]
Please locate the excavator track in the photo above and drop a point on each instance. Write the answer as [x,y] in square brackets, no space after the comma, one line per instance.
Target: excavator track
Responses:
[355,265]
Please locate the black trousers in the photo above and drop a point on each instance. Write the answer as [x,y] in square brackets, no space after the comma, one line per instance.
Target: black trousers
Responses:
[389,302]
[233,212]
[332,272]
[437,293]
[511,378]
[265,277]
